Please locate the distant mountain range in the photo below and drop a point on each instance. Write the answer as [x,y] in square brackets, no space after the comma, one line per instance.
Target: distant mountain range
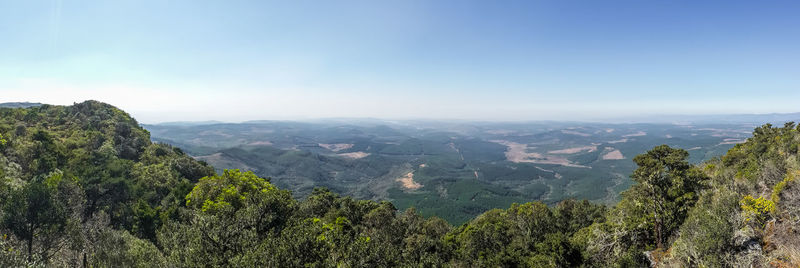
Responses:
[749,119]
[19,104]
[191,123]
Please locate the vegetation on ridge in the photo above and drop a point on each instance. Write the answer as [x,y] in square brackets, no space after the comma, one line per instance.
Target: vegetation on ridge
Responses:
[83,185]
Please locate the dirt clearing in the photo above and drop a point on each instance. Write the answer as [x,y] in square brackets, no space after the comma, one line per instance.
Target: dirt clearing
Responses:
[613,155]
[408,181]
[574,150]
[354,155]
[336,146]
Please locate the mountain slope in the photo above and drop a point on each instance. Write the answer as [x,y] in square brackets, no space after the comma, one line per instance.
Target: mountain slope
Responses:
[89,170]
[83,186]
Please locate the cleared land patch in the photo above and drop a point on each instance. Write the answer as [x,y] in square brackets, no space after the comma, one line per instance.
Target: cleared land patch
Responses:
[408,181]
[574,150]
[500,132]
[572,132]
[260,143]
[518,153]
[637,134]
[613,155]
[732,141]
[354,155]
[336,146]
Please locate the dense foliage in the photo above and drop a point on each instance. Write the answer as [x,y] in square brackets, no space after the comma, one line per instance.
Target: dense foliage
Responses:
[77,177]
[83,186]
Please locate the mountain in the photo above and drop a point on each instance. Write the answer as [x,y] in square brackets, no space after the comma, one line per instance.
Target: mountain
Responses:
[72,174]
[750,119]
[82,185]
[19,104]
[190,123]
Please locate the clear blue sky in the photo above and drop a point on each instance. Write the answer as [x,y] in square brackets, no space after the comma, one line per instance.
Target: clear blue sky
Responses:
[504,60]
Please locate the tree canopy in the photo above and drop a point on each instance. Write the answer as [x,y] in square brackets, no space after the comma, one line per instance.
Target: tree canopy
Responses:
[83,186]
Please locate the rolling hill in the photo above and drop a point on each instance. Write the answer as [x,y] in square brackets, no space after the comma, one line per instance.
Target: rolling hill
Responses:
[82,185]
[451,170]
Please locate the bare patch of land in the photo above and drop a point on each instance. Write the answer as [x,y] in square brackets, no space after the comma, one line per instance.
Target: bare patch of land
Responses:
[618,141]
[500,132]
[260,143]
[354,155]
[732,141]
[336,146]
[574,150]
[408,181]
[545,170]
[637,134]
[613,155]
[518,153]
[572,132]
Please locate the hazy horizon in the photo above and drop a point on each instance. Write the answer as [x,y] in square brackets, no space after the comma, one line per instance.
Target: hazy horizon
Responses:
[463,60]
[619,119]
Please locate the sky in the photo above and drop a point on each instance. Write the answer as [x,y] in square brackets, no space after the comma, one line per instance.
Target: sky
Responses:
[403,59]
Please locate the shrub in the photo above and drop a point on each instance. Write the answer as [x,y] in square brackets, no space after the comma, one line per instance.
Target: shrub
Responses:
[776,191]
[757,210]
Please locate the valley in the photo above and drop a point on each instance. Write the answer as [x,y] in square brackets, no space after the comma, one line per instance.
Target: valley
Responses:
[452,170]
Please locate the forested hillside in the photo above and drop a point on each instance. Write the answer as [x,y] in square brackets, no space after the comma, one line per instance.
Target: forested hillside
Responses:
[83,186]
[455,170]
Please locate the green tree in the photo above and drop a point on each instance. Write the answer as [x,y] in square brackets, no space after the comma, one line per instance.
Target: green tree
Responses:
[572,215]
[423,245]
[47,154]
[118,248]
[669,186]
[32,215]
[232,214]
[705,239]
